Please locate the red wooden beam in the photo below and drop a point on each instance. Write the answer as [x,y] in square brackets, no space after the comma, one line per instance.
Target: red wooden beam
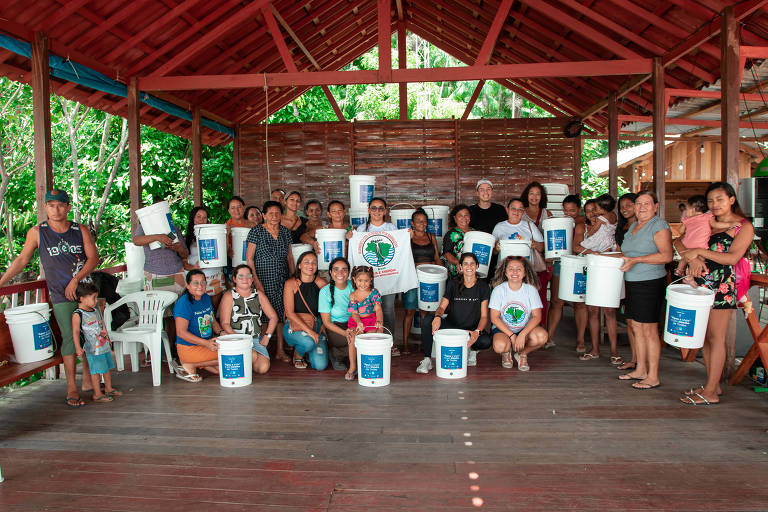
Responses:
[493,33]
[729,87]
[385,40]
[714,123]
[197,157]
[277,37]
[41,121]
[659,129]
[134,151]
[129,9]
[697,93]
[473,99]
[332,100]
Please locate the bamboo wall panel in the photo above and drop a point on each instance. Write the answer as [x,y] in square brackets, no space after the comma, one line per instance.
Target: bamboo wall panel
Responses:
[418,162]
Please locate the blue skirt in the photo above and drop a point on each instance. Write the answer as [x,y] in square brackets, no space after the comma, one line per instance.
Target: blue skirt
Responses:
[100,364]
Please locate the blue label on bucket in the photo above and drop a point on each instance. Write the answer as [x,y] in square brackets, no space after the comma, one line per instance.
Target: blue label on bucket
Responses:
[41,335]
[435,226]
[366,193]
[681,322]
[209,249]
[171,228]
[232,366]
[357,221]
[245,248]
[451,358]
[372,366]
[579,284]
[483,253]
[403,223]
[556,240]
[332,250]
[428,292]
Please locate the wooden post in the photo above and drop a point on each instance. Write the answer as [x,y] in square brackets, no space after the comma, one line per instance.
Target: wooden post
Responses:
[385,40]
[457,177]
[197,157]
[659,114]
[730,72]
[236,162]
[577,150]
[402,62]
[41,118]
[134,151]
[613,147]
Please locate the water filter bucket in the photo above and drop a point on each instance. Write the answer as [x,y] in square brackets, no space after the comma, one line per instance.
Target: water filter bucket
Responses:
[374,359]
[558,236]
[481,245]
[212,244]
[361,191]
[514,248]
[30,332]
[358,216]
[437,220]
[687,315]
[239,245]
[402,218]
[299,249]
[134,261]
[431,286]
[331,242]
[573,280]
[235,360]
[156,219]
[451,353]
[605,281]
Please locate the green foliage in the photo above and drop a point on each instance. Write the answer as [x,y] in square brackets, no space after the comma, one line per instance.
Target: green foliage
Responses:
[593,185]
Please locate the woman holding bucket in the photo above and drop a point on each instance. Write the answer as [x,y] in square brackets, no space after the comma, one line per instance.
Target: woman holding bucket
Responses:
[453,241]
[269,257]
[647,248]
[302,329]
[515,309]
[516,228]
[716,266]
[332,305]
[466,302]
[240,312]
[214,277]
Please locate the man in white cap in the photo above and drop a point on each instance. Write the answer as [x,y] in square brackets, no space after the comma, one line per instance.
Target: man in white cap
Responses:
[485,214]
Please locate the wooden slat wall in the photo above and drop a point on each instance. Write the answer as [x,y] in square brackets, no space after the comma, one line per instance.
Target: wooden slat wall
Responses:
[413,161]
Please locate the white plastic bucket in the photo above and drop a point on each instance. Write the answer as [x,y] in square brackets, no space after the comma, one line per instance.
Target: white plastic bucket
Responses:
[299,249]
[481,245]
[156,219]
[431,286]
[555,189]
[235,360]
[374,358]
[358,216]
[239,245]
[605,281]
[437,220]
[30,332]
[212,245]
[558,236]
[573,280]
[402,218]
[361,188]
[331,242]
[134,261]
[514,248]
[687,315]
[451,353]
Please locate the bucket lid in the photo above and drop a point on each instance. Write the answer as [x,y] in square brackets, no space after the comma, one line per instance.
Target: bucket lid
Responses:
[452,333]
[330,232]
[686,289]
[557,219]
[601,260]
[28,308]
[432,269]
[515,242]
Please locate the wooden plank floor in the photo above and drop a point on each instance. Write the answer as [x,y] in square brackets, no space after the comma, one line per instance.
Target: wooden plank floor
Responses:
[565,436]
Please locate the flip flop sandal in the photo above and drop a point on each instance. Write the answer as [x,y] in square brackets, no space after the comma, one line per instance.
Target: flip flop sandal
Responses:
[588,356]
[189,377]
[645,387]
[74,402]
[395,351]
[689,400]
[115,392]
[103,399]
[581,351]
[628,377]
[300,364]
[617,360]
[350,375]
[628,365]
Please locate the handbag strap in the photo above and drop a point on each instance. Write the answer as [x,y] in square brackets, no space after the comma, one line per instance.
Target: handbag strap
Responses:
[298,288]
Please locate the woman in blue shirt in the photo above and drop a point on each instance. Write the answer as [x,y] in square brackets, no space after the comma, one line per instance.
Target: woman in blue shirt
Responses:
[332,305]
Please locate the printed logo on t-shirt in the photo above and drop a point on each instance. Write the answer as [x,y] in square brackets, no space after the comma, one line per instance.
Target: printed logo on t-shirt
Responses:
[515,315]
[204,325]
[515,236]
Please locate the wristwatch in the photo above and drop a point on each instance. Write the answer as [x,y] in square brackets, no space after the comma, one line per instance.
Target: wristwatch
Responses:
[268,335]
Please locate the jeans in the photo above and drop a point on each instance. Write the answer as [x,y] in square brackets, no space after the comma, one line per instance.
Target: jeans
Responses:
[304,344]
[483,341]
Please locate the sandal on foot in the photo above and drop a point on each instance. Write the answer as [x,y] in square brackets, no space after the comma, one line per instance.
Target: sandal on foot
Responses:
[189,377]
[627,376]
[589,356]
[299,364]
[693,391]
[581,350]
[103,399]
[689,400]
[350,375]
[115,392]
[74,402]
[522,362]
[395,351]
[644,386]
[506,361]
[617,360]
[628,365]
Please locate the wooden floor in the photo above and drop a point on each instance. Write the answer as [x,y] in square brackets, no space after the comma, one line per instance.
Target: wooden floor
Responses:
[565,436]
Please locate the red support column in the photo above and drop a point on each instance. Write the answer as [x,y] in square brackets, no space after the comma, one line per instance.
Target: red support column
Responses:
[473,99]
[134,151]
[41,118]
[730,73]
[613,147]
[659,116]
[402,63]
[197,157]
[385,40]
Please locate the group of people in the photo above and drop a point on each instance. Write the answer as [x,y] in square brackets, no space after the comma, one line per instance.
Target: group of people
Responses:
[514,310]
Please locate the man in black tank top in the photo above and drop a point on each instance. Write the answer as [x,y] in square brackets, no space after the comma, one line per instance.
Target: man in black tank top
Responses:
[68,255]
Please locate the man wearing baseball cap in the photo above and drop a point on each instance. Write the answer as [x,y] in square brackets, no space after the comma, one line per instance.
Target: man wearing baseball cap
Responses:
[485,214]
[68,255]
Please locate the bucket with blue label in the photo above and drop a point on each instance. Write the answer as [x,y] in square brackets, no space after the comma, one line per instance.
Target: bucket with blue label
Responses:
[687,315]
[374,359]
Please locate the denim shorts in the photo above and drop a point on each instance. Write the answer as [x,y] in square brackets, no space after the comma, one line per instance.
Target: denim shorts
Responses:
[411,299]
[261,349]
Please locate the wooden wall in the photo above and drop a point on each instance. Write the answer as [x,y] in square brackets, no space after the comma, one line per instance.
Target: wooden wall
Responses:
[414,161]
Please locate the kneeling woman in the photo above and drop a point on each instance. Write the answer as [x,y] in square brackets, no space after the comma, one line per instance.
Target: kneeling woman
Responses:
[302,329]
[466,302]
[240,313]
[195,329]
[516,312]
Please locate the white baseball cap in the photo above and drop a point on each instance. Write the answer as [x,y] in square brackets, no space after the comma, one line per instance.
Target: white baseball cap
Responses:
[483,181]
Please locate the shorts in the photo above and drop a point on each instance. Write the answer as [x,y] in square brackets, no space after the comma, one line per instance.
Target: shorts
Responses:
[645,300]
[261,349]
[101,363]
[411,299]
[195,353]
[367,321]
[556,268]
[63,312]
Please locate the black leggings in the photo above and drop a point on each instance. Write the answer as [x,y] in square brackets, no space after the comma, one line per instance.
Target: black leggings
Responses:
[483,341]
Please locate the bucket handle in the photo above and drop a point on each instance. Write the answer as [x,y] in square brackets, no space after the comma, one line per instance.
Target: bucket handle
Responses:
[681,278]
[401,204]
[383,327]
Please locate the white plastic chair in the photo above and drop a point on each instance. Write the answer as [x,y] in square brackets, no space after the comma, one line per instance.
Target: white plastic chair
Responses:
[149,331]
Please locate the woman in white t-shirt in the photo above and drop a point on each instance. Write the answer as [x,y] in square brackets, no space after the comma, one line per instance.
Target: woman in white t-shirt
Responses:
[516,312]
[518,228]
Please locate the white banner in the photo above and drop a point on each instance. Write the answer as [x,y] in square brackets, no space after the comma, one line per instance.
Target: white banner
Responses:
[389,253]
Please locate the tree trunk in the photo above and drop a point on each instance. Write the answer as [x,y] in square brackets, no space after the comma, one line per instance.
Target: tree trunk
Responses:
[115,166]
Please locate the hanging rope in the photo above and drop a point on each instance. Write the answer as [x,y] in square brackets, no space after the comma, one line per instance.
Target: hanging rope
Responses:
[266,136]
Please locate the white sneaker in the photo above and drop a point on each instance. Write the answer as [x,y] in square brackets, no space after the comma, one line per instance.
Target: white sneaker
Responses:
[424,366]
[472,359]
[549,345]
